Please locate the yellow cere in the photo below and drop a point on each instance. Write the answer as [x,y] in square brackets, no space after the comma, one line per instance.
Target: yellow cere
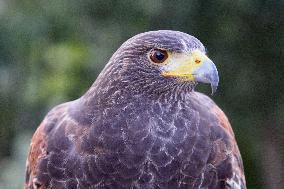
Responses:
[184,64]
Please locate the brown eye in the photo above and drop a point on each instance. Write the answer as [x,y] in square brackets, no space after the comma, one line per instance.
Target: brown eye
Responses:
[158,56]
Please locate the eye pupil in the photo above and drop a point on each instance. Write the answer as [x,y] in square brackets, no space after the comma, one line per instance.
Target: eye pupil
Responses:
[158,55]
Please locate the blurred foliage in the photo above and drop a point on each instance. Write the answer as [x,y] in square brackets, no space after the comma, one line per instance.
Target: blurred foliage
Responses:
[52,51]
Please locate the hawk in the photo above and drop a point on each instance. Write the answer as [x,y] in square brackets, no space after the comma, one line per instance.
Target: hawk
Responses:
[140,125]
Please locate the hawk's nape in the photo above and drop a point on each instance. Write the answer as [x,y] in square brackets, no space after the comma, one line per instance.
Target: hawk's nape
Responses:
[140,125]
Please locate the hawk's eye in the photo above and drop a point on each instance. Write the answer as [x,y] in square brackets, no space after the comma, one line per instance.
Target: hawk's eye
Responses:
[158,55]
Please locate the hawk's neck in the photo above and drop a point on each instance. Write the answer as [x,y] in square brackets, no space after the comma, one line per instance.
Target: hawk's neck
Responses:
[104,97]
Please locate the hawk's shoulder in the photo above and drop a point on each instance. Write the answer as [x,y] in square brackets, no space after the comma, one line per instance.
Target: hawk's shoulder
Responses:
[225,156]
[40,144]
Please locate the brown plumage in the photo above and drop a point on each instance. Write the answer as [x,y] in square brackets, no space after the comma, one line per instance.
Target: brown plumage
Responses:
[140,125]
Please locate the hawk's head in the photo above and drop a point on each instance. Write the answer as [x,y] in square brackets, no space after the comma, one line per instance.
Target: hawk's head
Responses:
[163,59]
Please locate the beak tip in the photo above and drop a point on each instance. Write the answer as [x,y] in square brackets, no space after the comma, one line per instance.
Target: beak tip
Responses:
[213,89]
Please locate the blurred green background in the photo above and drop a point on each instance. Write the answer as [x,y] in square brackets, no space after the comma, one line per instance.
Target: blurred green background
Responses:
[52,51]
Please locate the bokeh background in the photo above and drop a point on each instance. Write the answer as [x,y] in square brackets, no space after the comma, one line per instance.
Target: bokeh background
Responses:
[52,51]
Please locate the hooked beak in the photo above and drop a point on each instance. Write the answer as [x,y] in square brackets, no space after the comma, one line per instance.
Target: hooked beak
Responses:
[195,66]
[207,73]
